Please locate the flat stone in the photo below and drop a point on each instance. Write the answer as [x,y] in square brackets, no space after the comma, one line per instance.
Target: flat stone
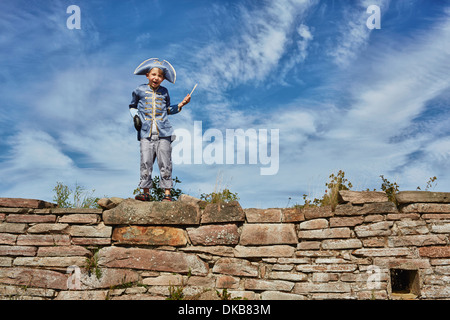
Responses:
[338,244]
[382,228]
[264,251]
[422,196]
[33,277]
[334,233]
[292,215]
[80,218]
[435,252]
[382,252]
[223,212]
[265,234]
[417,240]
[263,215]
[314,224]
[212,235]
[156,236]
[63,251]
[43,240]
[8,238]
[31,218]
[361,197]
[366,209]
[25,203]
[317,212]
[223,251]
[6,227]
[307,287]
[48,228]
[61,262]
[346,221]
[25,251]
[82,295]
[235,267]
[443,208]
[272,285]
[134,212]
[97,231]
[149,259]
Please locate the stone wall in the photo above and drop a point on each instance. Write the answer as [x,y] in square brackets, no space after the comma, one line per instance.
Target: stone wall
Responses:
[366,248]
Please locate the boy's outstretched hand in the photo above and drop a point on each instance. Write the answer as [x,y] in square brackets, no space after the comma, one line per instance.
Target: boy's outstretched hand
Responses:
[185,101]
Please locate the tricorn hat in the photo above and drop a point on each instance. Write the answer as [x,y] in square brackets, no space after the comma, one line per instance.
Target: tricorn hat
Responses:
[149,64]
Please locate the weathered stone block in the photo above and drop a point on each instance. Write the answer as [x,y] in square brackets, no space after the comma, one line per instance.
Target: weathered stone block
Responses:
[156,236]
[18,251]
[416,240]
[422,196]
[213,235]
[263,215]
[264,251]
[63,251]
[235,267]
[33,277]
[361,197]
[366,209]
[139,212]
[61,262]
[435,252]
[272,285]
[264,234]
[317,212]
[149,259]
[292,215]
[426,208]
[214,250]
[31,218]
[307,268]
[382,252]
[374,229]
[49,228]
[336,244]
[43,240]
[223,212]
[97,231]
[346,221]
[6,227]
[314,224]
[79,218]
[325,233]
[8,238]
[308,287]
[25,203]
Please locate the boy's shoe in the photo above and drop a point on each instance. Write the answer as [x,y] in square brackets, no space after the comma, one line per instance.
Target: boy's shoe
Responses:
[167,198]
[144,197]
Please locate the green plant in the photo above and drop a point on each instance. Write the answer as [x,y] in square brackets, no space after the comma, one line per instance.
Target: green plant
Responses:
[92,265]
[430,184]
[226,296]
[175,293]
[157,193]
[221,196]
[390,188]
[82,198]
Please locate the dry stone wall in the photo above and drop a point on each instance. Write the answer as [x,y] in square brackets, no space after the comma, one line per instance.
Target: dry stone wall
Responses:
[364,248]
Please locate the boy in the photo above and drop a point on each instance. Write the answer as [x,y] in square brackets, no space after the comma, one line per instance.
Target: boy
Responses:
[149,108]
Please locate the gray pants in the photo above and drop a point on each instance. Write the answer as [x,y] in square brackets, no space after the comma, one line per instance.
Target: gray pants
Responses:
[159,148]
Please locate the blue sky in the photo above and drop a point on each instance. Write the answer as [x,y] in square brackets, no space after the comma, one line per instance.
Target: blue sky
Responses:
[345,97]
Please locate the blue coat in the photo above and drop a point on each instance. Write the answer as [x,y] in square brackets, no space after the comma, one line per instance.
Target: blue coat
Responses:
[153,104]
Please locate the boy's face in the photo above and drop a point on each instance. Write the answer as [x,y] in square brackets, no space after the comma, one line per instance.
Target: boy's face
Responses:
[155,77]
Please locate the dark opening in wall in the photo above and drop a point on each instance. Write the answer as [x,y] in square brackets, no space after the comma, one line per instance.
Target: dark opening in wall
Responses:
[405,282]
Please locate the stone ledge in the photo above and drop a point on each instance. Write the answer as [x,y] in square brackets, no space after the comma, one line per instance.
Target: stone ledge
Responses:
[25,203]
[404,197]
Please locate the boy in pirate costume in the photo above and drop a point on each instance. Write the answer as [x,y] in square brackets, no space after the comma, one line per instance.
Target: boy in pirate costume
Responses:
[149,108]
